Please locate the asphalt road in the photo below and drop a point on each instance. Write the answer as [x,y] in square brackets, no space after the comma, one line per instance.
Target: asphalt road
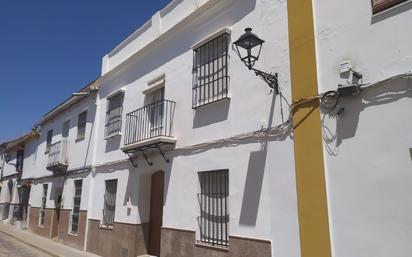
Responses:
[10,247]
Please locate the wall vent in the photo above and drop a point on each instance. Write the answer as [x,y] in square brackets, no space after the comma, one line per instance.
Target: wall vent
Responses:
[125,252]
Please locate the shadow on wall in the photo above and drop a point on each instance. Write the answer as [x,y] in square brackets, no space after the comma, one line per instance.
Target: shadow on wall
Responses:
[346,124]
[212,113]
[112,144]
[253,187]
[391,12]
[91,114]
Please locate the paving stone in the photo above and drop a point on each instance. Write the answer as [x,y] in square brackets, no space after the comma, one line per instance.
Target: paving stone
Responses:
[10,247]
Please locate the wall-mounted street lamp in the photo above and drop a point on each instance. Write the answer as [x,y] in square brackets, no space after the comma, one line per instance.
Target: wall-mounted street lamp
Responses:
[248,48]
[7,158]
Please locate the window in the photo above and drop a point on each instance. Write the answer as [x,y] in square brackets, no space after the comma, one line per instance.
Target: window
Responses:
[214,215]
[381,5]
[49,140]
[75,214]
[210,71]
[81,125]
[114,115]
[65,130]
[156,112]
[19,160]
[109,203]
[43,205]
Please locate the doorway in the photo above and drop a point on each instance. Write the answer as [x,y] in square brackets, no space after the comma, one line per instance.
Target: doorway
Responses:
[156,212]
[57,197]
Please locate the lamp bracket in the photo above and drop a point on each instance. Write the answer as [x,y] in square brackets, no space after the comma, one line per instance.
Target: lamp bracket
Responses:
[270,79]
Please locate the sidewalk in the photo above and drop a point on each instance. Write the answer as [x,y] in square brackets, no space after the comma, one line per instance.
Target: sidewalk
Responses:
[43,244]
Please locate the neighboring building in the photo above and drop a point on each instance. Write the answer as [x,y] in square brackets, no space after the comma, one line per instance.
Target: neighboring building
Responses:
[15,191]
[367,147]
[178,149]
[59,165]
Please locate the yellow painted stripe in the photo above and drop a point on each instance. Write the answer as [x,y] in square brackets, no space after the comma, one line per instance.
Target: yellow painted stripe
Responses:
[310,173]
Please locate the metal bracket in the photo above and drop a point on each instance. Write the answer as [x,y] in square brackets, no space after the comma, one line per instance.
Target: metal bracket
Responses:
[164,157]
[131,156]
[147,160]
[271,80]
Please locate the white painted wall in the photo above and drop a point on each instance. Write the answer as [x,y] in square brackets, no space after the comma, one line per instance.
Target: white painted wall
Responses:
[368,166]
[69,190]
[262,184]
[80,153]
[54,189]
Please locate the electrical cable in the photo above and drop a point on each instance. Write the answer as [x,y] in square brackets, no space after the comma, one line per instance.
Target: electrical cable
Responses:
[328,101]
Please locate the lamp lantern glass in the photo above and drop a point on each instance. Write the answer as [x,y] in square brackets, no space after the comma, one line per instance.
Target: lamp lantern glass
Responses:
[248,47]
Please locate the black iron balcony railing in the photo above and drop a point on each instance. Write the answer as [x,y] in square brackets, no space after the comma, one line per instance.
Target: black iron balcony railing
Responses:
[150,121]
[57,156]
[114,122]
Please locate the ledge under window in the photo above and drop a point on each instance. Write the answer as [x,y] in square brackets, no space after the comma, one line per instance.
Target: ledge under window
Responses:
[114,135]
[382,5]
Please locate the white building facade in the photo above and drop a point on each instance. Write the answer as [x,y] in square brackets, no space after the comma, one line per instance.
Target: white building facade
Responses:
[367,147]
[181,84]
[178,149]
[58,164]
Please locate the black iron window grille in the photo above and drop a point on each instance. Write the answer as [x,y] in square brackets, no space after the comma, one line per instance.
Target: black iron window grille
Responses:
[43,205]
[19,160]
[109,203]
[152,120]
[75,214]
[49,140]
[81,125]
[114,115]
[214,211]
[210,71]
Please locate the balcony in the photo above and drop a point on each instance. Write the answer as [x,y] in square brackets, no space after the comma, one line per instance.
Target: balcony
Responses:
[150,127]
[57,157]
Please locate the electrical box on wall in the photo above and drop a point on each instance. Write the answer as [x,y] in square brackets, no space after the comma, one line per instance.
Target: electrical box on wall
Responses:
[345,66]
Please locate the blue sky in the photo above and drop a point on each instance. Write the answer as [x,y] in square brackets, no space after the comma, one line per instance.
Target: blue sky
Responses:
[51,48]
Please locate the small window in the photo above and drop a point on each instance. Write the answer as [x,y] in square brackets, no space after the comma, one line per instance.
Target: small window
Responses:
[114,115]
[49,140]
[42,210]
[210,71]
[75,214]
[19,160]
[214,211]
[382,5]
[155,111]
[66,129]
[109,203]
[81,125]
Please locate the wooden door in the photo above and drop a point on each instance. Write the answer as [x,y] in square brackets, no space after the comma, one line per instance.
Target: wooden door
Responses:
[156,212]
